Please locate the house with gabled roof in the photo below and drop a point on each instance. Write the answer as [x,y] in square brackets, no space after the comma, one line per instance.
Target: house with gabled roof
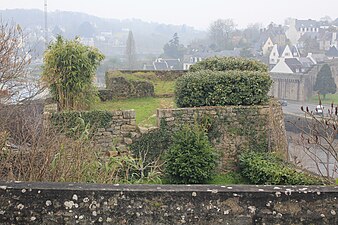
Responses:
[297,28]
[332,53]
[284,52]
[328,39]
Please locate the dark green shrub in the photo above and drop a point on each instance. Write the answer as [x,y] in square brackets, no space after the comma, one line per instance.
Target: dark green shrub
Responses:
[105,95]
[191,159]
[229,63]
[265,168]
[216,88]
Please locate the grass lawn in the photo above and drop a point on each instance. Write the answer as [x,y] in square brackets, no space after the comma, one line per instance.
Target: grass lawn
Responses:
[329,98]
[145,108]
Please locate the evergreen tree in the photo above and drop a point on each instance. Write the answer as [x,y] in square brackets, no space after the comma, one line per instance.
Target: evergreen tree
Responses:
[325,83]
[173,49]
[131,51]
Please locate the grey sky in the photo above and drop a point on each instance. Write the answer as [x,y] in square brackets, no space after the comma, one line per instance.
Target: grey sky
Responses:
[197,13]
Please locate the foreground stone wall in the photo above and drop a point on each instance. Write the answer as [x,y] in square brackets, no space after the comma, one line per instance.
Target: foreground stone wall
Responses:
[234,128]
[68,203]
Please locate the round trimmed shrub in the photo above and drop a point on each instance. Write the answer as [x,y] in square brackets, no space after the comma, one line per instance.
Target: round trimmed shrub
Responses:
[191,159]
[229,63]
[220,88]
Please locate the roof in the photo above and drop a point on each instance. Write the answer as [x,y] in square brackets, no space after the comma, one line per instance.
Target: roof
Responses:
[160,66]
[332,52]
[307,23]
[306,62]
[295,51]
[173,64]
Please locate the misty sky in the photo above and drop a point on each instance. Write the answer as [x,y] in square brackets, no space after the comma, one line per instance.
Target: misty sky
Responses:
[197,13]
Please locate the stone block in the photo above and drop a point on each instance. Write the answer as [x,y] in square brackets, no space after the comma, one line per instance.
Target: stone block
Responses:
[128,141]
[128,128]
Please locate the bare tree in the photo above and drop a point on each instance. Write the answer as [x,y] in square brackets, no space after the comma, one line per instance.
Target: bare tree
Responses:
[318,139]
[220,32]
[17,86]
[16,82]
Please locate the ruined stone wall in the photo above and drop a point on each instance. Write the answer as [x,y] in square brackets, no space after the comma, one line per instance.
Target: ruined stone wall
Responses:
[233,129]
[120,131]
[69,203]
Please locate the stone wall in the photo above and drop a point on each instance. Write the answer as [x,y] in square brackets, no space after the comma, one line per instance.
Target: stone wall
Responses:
[234,128]
[69,203]
[120,132]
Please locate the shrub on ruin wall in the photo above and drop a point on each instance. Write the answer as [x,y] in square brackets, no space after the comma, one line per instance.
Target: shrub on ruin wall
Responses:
[265,168]
[191,159]
[229,63]
[219,88]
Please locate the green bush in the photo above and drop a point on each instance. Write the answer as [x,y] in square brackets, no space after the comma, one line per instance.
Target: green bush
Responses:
[265,168]
[217,88]
[229,63]
[191,159]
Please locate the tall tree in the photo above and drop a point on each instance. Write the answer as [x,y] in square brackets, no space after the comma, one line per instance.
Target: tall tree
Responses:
[173,49]
[220,33]
[131,51]
[325,83]
[69,70]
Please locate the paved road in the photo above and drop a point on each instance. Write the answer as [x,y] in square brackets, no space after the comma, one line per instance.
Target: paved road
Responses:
[294,107]
[298,154]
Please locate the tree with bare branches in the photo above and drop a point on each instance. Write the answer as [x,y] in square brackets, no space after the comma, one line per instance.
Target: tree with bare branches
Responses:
[318,139]
[16,82]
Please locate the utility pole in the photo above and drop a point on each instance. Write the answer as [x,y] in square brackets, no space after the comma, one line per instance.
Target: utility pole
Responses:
[46,25]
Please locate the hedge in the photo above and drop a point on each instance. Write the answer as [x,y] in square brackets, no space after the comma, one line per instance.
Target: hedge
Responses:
[265,168]
[219,88]
[229,63]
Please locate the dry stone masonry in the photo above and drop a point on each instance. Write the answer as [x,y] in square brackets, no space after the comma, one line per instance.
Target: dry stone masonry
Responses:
[234,128]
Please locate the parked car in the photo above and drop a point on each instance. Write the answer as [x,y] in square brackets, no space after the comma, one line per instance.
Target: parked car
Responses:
[319,110]
[283,102]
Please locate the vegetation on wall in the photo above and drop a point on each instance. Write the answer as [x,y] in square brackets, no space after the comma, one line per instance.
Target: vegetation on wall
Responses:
[152,145]
[76,122]
[69,71]
[265,168]
[217,88]
[163,84]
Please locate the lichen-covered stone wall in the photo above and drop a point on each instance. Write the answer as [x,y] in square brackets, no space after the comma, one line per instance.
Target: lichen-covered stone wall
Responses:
[234,128]
[69,203]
